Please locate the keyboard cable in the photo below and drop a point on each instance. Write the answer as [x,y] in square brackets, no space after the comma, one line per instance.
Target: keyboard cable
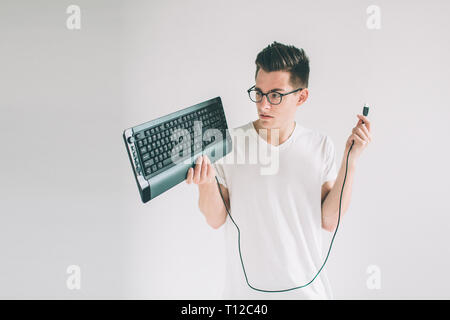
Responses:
[329,250]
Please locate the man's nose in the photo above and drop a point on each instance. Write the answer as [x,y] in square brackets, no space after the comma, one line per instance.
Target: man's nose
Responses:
[265,103]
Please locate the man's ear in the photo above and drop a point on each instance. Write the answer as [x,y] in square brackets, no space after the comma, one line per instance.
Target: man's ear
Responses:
[302,97]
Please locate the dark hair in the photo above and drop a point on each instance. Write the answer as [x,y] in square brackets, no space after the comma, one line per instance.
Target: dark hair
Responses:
[280,57]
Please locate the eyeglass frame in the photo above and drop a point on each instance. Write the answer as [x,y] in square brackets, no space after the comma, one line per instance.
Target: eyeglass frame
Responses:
[267,94]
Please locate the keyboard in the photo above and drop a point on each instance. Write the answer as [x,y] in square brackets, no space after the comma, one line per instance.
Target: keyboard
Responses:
[162,150]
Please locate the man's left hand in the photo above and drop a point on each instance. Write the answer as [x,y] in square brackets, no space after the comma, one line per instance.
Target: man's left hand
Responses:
[361,135]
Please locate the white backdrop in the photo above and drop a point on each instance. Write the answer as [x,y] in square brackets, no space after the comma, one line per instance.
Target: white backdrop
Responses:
[68,196]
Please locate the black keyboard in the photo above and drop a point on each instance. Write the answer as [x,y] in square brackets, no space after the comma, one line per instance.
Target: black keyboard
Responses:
[162,150]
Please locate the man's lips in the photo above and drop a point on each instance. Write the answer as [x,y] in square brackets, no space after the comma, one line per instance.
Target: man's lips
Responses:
[265,115]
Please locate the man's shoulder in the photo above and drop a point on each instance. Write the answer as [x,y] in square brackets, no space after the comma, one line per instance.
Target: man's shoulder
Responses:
[309,134]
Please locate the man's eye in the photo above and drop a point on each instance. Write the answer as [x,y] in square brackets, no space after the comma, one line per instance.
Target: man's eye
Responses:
[274,95]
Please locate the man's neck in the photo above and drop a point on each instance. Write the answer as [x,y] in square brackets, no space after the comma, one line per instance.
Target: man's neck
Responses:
[284,132]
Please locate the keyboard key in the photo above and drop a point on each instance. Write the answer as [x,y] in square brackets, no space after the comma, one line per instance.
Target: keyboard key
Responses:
[148,163]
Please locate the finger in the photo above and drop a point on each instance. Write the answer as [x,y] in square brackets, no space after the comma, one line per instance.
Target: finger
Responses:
[365,119]
[366,132]
[210,174]
[358,140]
[360,132]
[204,170]
[190,174]
[198,167]
[206,160]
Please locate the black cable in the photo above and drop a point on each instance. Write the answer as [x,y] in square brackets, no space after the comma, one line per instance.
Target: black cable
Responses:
[329,250]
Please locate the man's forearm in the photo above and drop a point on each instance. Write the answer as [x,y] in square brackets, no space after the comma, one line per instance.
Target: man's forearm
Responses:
[210,204]
[330,206]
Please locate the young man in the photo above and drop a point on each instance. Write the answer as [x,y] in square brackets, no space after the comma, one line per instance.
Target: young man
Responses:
[280,215]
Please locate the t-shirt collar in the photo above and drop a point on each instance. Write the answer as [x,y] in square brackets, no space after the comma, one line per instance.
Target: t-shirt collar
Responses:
[280,146]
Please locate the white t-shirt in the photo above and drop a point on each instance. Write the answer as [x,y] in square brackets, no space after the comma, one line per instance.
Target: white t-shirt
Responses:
[275,200]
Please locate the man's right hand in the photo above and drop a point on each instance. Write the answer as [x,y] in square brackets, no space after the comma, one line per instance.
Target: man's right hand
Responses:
[202,173]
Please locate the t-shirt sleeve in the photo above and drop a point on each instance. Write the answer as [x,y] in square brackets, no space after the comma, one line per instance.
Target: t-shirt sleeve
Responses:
[220,173]
[330,171]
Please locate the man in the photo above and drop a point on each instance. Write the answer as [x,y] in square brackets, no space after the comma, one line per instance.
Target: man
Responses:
[280,215]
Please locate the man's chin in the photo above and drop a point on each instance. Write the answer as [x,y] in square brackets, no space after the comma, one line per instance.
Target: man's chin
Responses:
[266,124]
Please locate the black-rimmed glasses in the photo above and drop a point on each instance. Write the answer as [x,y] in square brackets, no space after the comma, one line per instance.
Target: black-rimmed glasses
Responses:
[273,97]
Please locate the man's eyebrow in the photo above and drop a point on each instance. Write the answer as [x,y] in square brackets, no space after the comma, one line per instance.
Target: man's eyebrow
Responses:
[276,89]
